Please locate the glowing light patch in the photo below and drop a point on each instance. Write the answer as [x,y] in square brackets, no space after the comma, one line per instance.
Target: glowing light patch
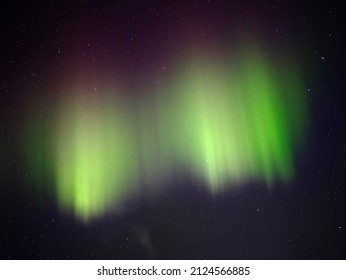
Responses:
[95,156]
[237,123]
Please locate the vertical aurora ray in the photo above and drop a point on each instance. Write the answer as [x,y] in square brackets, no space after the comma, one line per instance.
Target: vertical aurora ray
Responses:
[237,123]
[95,156]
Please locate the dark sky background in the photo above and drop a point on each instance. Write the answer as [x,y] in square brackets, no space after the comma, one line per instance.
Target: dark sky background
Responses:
[45,42]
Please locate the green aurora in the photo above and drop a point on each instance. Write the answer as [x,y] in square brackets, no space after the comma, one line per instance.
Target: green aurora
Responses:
[224,122]
[95,155]
[237,123]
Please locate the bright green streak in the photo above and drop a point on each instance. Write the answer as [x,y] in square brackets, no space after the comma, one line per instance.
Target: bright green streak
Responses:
[234,123]
[95,156]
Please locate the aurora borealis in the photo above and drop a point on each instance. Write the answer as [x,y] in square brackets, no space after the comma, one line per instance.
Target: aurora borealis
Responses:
[172,130]
[224,123]
[94,155]
[233,124]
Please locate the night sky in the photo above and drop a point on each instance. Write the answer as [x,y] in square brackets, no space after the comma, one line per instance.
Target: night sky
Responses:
[172,130]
